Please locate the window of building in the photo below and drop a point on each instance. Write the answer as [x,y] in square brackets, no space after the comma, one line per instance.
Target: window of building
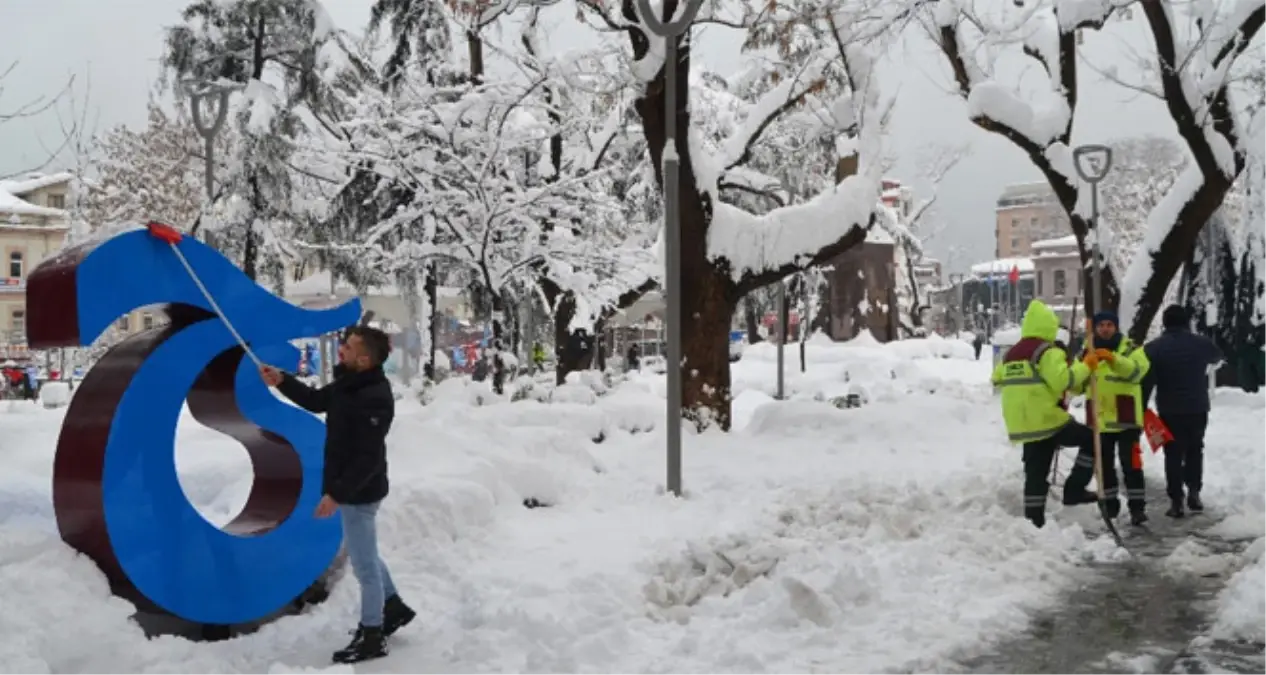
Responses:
[147,321]
[15,265]
[57,201]
[1015,244]
[1060,283]
[1038,275]
[17,321]
[125,323]
[1033,224]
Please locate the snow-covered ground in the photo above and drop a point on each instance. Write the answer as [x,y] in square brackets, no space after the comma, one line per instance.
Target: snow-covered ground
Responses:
[1235,486]
[812,538]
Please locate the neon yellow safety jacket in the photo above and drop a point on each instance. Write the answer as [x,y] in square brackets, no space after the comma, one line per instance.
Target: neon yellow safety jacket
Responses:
[1120,388]
[1033,377]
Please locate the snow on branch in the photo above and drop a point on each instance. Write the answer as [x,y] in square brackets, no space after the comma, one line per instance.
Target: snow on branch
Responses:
[793,237]
[787,94]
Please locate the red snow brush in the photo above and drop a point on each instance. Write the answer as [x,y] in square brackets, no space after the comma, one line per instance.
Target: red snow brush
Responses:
[164,232]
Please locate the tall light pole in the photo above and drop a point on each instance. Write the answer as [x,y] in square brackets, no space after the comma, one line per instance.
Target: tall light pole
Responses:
[671,31]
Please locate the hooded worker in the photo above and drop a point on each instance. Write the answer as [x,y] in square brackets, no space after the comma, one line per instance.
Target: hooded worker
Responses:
[1118,412]
[1033,377]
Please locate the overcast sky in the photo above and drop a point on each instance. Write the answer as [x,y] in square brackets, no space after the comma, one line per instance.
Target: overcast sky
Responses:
[116,43]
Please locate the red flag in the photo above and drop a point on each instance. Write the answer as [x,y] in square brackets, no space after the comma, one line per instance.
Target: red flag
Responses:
[1157,433]
[1014,277]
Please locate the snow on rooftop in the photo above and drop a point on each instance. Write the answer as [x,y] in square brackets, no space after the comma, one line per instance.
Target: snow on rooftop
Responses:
[12,203]
[1003,266]
[1060,242]
[34,182]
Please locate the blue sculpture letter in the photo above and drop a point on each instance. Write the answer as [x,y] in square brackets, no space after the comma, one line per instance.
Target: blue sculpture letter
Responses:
[115,490]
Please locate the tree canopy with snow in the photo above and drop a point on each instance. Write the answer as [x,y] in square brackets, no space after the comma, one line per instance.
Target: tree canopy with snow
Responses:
[1194,67]
[282,58]
[824,77]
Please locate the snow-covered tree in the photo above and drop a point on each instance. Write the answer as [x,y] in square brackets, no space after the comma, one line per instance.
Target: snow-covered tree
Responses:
[1144,170]
[923,223]
[275,52]
[472,156]
[1195,48]
[157,172]
[825,66]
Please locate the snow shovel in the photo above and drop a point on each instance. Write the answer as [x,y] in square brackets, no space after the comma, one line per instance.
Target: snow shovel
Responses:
[1092,417]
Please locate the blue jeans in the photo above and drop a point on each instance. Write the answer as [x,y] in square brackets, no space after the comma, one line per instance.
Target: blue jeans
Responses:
[360,537]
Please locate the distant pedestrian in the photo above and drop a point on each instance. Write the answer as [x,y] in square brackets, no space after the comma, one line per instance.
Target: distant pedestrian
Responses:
[1180,376]
[977,343]
[359,408]
[632,359]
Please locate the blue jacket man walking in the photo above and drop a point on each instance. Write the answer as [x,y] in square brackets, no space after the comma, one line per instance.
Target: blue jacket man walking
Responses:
[1180,376]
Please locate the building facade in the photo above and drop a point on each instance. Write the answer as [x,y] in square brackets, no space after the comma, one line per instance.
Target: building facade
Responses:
[1057,273]
[33,226]
[1027,213]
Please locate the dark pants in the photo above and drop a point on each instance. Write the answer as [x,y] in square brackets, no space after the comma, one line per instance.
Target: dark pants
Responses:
[1038,457]
[1184,456]
[1121,445]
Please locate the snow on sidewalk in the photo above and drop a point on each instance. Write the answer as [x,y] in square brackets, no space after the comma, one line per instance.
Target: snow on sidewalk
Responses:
[1235,487]
[881,538]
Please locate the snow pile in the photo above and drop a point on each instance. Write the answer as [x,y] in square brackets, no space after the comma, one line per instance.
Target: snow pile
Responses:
[55,394]
[882,539]
[1192,557]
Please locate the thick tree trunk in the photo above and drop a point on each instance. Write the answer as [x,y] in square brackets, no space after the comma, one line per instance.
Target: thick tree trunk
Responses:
[708,295]
[600,345]
[431,288]
[707,305]
[566,360]
[497,343]
[750,320]
[250,255]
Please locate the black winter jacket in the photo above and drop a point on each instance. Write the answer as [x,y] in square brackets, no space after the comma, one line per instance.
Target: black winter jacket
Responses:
[1179,372]
[359,408]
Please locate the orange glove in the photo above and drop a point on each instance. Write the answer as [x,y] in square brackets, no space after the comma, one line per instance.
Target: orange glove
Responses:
[1091,360]
[1106,355]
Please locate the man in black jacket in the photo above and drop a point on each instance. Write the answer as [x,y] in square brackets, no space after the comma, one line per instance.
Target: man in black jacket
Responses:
[1180,374]
[359,408]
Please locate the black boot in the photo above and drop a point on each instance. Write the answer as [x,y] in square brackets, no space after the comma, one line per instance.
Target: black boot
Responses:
[1138,517]
[366,644]
[1082,497]
[395,615]
[1036,515]
[1193,502]
[1175,509]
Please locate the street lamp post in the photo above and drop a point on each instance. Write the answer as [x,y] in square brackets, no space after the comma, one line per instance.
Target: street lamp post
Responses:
[1093,163]
[199,93]
[671,30]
